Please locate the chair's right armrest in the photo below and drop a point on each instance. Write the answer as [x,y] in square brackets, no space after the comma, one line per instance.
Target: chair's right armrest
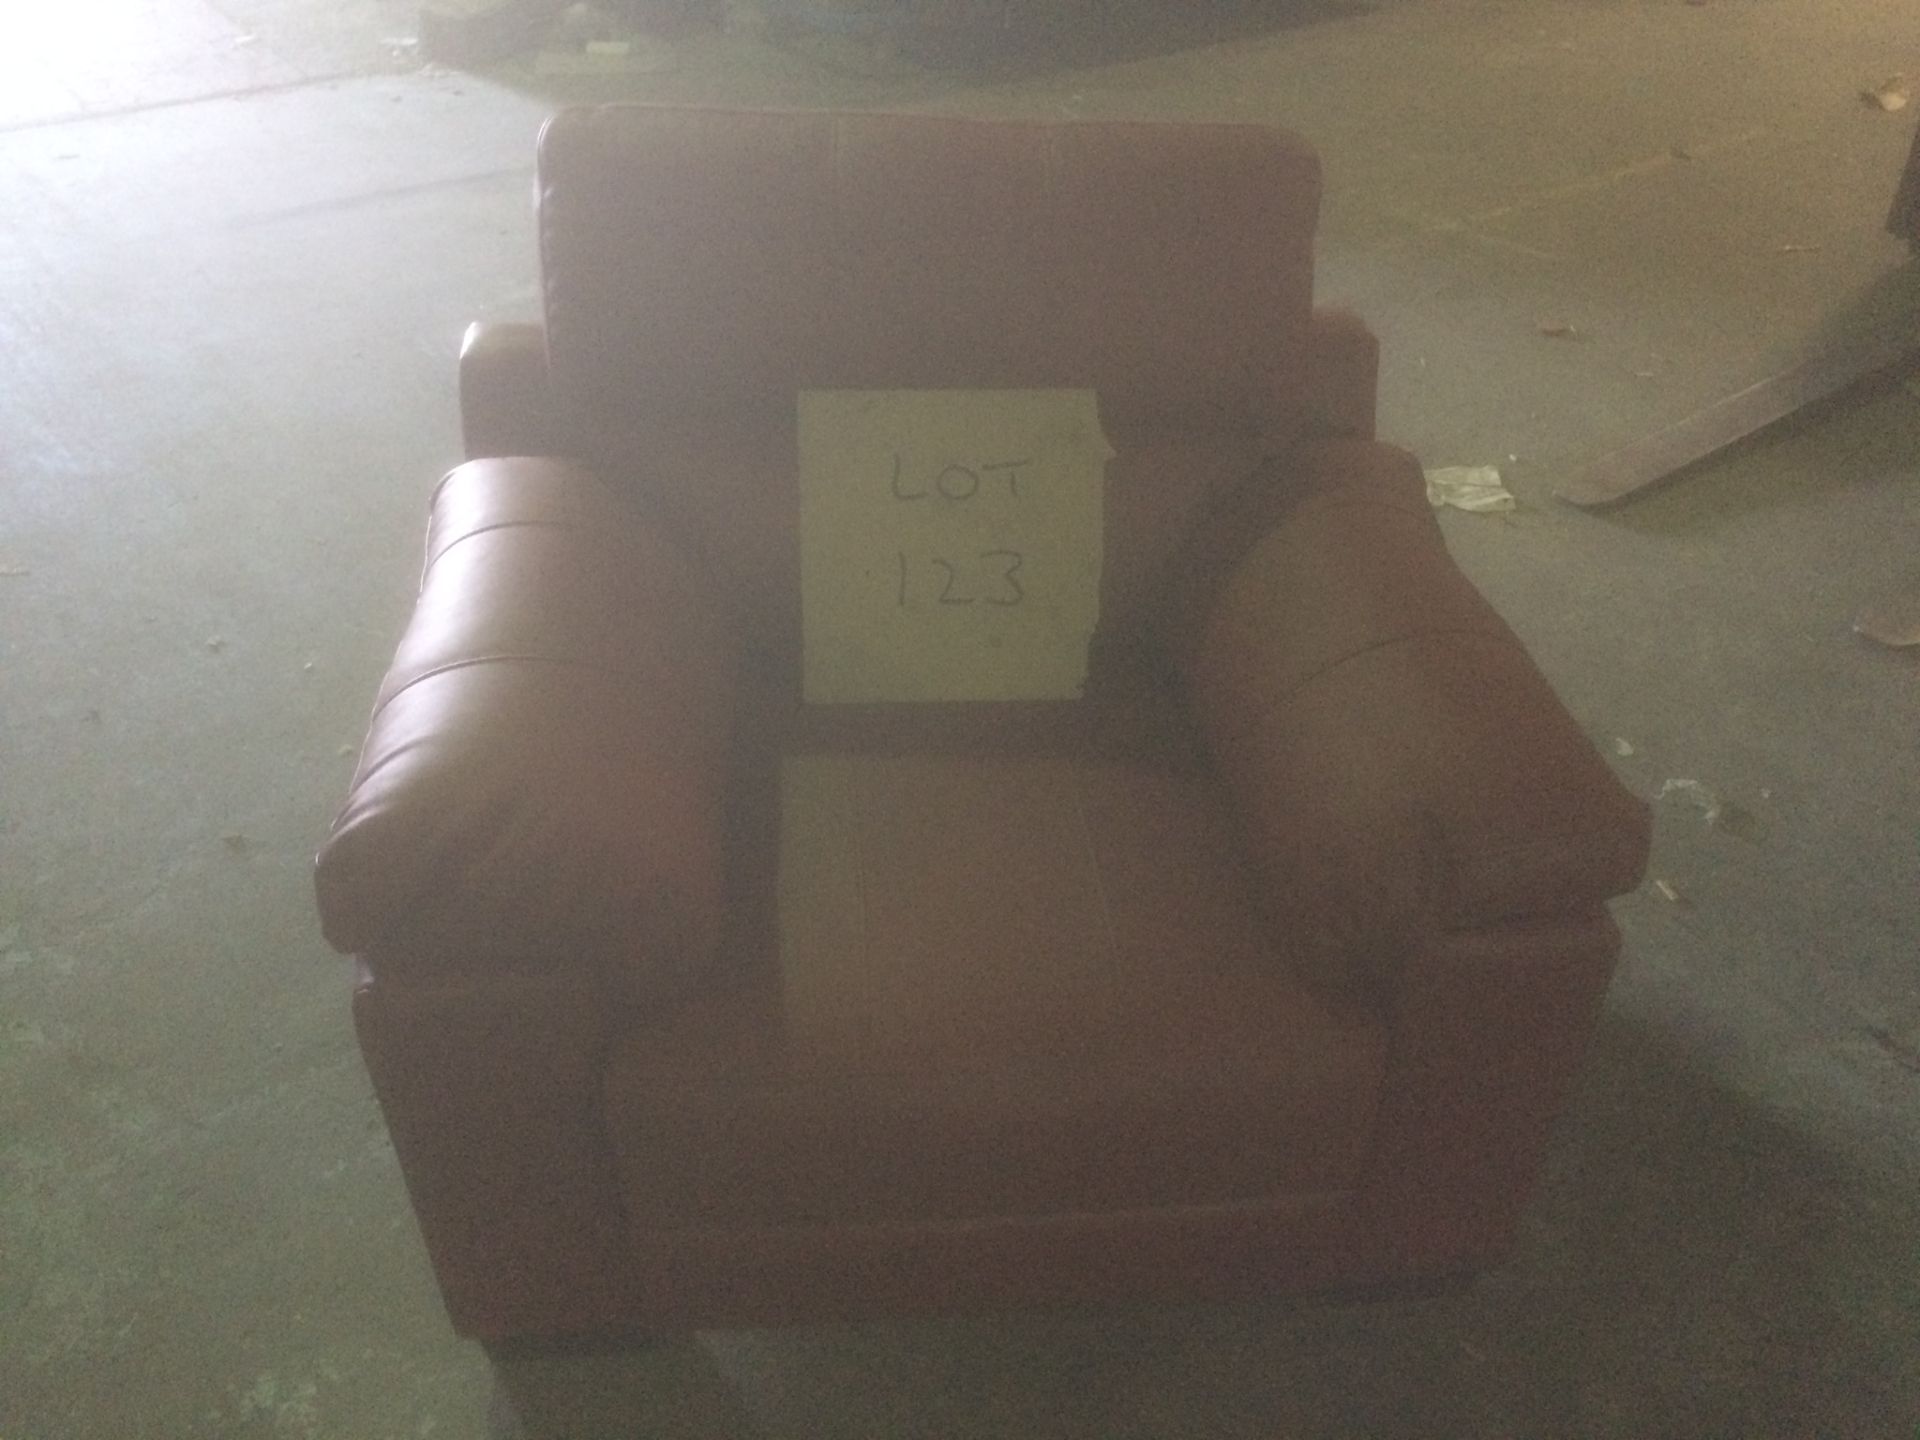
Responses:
[1343,375]
[542,782]
[1402,769]
[507,404]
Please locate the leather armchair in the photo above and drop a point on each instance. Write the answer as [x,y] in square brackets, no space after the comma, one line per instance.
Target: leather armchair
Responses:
[1264,965]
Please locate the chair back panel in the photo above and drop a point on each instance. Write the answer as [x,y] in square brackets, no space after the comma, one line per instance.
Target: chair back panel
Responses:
[701,267]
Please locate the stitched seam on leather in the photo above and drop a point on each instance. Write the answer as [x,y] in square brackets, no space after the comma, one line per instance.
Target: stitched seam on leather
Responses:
[511,525]
[1209,522]
[1490,858]
[1373,503]
[1258,1205]
[1532,847]
[1280,528]
[1533,842]
[1581,918]
[1389,506]
[505,658]
[1440,631]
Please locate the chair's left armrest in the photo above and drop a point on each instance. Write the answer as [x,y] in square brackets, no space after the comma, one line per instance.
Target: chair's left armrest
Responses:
[542,784]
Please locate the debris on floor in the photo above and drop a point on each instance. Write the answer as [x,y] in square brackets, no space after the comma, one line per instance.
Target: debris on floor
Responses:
[1800,249]
[1699,796]
[482,31]
[590,40]
[1894,619]
[1890,94]
[1622,746]
[1718,812]
[606,57]
[1668,893]
[1558,330]
[581,24]
[1474,488]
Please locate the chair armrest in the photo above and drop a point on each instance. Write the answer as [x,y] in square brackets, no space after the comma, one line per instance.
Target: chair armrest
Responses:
[542,779]
[1343,375]
[507,405]
[1402,769]
[1489,1028]
[491,1089]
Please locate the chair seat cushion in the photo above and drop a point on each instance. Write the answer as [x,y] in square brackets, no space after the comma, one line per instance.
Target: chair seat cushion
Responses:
[1004,986]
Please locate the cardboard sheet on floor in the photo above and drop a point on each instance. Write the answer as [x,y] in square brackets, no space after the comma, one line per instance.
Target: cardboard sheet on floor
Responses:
[950,543]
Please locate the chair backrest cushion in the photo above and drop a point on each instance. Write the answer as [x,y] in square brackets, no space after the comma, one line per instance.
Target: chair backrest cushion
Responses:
[702,267]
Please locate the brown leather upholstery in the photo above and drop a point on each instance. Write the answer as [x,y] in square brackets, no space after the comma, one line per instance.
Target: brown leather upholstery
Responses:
[1265,964]
[762,254]
[1001,982]
[1367,708]
[545,763]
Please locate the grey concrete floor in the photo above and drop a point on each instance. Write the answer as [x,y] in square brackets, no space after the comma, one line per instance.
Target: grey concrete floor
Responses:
[237,246]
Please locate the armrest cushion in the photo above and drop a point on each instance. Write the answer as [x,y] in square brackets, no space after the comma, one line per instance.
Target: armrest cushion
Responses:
[1401,767]
[544,768]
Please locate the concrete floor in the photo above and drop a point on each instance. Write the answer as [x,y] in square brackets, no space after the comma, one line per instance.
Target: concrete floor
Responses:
[237,246]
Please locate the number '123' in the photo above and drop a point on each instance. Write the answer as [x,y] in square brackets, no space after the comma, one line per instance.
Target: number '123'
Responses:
[993,578]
